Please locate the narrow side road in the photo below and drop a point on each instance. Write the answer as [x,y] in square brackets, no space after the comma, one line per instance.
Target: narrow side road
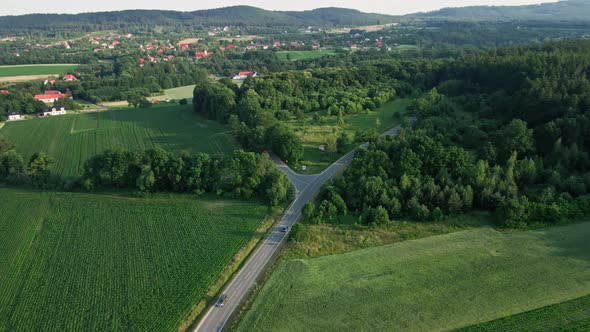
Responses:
[307,186]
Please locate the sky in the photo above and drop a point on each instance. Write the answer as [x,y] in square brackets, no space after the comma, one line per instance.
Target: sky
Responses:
[394,7]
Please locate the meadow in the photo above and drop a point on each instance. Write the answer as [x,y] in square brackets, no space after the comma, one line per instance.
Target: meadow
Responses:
[26,70]
[302,55]
[437,283]
[313,134]
[72,139]
[182,92]
[97,262]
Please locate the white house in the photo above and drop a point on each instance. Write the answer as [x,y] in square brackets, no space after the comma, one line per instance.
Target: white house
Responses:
[54,111]
[14,116]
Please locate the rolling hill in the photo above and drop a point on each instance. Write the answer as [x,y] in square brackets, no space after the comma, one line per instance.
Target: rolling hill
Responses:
[236,15]
[562,11]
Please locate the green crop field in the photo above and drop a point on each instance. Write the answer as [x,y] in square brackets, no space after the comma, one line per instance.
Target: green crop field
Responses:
[313,135]
[72,139]
[26,70]
[82,262]
[431,284]
[302,55]
[567,316]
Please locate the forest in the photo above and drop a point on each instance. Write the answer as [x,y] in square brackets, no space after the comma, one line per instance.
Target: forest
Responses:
[505,131]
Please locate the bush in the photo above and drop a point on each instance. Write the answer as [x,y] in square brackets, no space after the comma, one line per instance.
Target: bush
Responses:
[375,216]
[298,233]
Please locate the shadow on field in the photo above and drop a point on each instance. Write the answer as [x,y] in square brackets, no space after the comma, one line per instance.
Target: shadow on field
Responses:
[569,240]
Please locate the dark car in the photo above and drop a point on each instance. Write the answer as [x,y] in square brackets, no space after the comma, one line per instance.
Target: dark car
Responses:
[221,301]
[285,229]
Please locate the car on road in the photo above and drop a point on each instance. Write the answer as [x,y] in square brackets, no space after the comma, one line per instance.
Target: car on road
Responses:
[285,229]
[221,301]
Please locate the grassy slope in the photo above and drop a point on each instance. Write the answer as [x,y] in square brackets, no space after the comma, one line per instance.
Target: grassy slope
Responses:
[436,283]
[7,71]
[182,92]
[313,135]
[302,55]
[572,315]
[75,262]
[72,139]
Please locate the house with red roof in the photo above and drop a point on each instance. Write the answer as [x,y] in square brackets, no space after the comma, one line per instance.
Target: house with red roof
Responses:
[201,55]
[231,46]
[69,78]
[245,74]
[4,92]
[51,96]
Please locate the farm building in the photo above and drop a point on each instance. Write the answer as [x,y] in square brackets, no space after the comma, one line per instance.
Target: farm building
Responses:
[69,78]
[53,111]
[4,92]
[245,74]
[51,96]
[13,116]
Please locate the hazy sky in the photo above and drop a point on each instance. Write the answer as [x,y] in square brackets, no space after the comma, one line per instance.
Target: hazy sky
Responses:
[15,7]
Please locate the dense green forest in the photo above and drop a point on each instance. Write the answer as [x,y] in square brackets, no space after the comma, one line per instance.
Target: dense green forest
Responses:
[506,131]
[143,19]
[569,10]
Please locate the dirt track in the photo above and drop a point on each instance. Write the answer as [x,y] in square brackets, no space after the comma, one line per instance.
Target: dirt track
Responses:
[25,78]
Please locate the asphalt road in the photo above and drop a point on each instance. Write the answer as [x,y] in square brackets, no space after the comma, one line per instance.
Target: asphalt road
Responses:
[307,186]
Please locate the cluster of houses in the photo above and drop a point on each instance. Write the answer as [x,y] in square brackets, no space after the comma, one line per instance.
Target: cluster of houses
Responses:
[110,42]
[13,116]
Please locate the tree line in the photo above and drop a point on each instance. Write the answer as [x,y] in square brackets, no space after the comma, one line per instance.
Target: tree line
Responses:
[244,175]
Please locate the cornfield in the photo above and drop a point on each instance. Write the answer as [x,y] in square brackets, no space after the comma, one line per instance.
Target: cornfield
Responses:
[81,262]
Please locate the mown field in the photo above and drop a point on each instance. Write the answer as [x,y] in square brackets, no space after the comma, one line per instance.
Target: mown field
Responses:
[183,92]
[313,134]
[431,284]
[25,70]
[302,55]
[72,139]
[81,262]
[572,315]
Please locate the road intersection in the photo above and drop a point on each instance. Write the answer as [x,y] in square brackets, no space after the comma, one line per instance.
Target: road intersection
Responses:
[307,187]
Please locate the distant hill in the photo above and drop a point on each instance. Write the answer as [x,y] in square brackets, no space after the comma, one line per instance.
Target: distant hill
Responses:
[236,15]
[342,16]
[563,11]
